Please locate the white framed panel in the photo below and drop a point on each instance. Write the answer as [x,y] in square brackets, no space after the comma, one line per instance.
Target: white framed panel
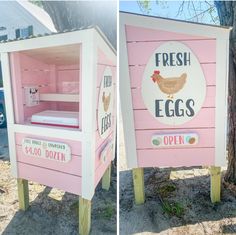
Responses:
[126,100]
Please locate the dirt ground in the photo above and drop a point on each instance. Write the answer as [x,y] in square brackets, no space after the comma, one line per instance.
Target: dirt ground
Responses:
[51,211]
[177,203]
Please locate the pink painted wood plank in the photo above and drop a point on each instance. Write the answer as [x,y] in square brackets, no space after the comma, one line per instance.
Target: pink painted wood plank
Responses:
[102,168]
[67,106]
[102,58]
[38,78]
[138,100]
[176,157]
[139,53]
[68,81]
[143,34]
[30,63]
[76,146]
[73,167]
[99,149]
[55,179]
[206,137]
[136,74]
[204,119]
[68,67]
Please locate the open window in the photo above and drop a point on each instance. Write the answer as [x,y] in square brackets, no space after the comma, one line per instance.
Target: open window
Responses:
[46,86]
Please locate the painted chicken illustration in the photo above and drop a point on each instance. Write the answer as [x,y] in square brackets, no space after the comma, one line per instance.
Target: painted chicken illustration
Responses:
[106,101]
[170,85]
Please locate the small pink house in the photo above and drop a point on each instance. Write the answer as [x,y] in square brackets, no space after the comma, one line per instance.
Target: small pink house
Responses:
[173,89]
[60,93]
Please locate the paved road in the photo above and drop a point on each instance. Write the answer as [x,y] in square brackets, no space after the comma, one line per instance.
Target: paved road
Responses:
[3,144]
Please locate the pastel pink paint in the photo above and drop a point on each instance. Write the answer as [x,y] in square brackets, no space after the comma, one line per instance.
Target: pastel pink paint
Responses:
[140,34]
[176,157]
[204,119]
[74,166]
[139,53]
[141,44]
[51,178]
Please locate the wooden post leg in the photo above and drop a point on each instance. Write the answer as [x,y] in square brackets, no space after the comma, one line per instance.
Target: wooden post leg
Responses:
[106,179]
[138,179]
[215,184]
[23,194]
[84,216]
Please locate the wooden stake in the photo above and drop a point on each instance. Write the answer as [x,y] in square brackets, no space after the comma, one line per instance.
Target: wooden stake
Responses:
[84,216]
[215,184]
[138,179]
[106,179]
[23,194]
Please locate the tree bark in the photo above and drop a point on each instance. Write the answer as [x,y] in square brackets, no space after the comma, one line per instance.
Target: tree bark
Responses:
[227,15]
[68,15]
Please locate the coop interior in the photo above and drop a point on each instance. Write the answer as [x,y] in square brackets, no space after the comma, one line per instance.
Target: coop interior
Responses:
[48,90]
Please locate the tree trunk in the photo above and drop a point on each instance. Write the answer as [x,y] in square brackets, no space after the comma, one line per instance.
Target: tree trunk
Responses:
[68,15]
[227,15]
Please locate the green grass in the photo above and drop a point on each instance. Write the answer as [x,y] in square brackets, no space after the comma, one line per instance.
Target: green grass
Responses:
[107,212]
[173,208]
[165,190]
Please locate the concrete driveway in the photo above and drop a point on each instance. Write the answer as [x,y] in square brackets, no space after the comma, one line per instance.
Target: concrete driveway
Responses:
[4,154]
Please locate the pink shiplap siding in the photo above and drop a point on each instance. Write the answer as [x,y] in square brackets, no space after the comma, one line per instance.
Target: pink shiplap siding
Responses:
[101,167]
[139,34]
[141,44]
[56,179]
[176,157]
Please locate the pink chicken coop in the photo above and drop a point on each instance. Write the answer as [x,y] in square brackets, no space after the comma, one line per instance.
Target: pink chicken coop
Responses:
[173,86]
[60,93]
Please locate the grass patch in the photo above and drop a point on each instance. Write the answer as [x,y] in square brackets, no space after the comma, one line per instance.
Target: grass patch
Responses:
[173,208]
[165,190]
[107,212]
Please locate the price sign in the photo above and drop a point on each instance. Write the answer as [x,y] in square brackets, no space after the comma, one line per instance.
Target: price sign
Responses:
[46,150]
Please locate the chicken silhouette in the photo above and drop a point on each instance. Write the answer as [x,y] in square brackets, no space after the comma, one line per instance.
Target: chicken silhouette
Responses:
[106,101]
[170,85]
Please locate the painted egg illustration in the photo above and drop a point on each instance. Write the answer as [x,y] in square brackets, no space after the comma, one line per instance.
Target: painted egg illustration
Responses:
[172,79]
[156,141]
[192,140]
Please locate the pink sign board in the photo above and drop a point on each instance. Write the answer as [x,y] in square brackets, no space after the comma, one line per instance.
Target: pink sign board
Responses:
[174,85]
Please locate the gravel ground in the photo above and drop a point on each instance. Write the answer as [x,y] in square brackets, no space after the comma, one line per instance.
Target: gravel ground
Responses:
[177,202]
[51,211]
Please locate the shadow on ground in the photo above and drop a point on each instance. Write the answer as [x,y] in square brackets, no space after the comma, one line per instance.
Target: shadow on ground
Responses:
[179,204]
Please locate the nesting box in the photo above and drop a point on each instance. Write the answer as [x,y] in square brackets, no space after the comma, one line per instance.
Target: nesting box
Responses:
[60,92]
[173,90]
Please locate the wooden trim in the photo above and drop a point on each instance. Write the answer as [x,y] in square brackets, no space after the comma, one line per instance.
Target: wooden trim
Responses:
[221,112]
[9,110]
[68,38]
[88,92]
[50,132]
[59,97]
[126,101]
